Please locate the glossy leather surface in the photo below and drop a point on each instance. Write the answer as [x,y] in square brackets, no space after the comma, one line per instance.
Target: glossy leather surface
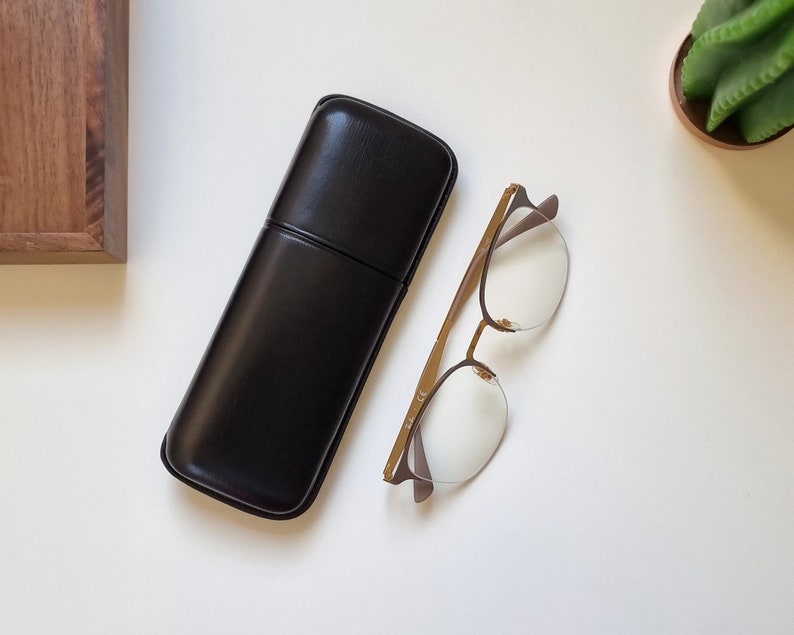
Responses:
[365,185]
[266,410]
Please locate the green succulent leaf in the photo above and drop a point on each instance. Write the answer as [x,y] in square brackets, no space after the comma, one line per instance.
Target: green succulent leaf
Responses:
[770,112]
[759,68]
[720,46]
[715,12]
[749,25]
[702,67]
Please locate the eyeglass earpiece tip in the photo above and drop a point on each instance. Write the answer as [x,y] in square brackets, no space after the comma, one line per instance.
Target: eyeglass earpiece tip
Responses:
[422,490]
[549,207]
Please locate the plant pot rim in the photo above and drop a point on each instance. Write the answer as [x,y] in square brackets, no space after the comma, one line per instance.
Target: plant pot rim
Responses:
[693,114]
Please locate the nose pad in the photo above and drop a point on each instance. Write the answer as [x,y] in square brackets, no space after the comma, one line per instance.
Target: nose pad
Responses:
[507,325]
[484,374]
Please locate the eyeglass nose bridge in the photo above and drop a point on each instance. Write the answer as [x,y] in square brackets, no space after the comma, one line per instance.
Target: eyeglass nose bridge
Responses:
[475,340]
[481,369]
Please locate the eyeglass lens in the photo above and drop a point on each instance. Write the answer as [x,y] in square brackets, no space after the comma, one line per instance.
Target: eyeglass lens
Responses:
[526,275]
[460,428]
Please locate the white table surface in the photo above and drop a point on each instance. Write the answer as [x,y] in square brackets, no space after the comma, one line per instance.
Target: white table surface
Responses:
[646,484]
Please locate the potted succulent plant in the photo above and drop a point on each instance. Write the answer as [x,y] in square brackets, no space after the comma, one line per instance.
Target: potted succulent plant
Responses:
[732,81]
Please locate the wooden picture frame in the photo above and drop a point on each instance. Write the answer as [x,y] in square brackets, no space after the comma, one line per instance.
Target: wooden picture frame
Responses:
[63,131]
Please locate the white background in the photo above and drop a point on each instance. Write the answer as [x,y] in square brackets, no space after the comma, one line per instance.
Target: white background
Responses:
[646,484]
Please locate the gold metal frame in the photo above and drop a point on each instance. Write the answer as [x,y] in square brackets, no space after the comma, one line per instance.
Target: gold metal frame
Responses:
[514,196]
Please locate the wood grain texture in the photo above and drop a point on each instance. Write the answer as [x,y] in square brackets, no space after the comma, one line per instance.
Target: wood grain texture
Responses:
[63,130]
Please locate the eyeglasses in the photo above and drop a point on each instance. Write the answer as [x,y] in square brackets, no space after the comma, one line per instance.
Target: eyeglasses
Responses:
[456,421]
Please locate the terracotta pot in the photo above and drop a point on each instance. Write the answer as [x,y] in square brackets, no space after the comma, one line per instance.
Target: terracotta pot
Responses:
[693,114]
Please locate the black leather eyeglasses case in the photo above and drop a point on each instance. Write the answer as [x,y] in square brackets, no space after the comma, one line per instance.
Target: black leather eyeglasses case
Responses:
[270,400]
